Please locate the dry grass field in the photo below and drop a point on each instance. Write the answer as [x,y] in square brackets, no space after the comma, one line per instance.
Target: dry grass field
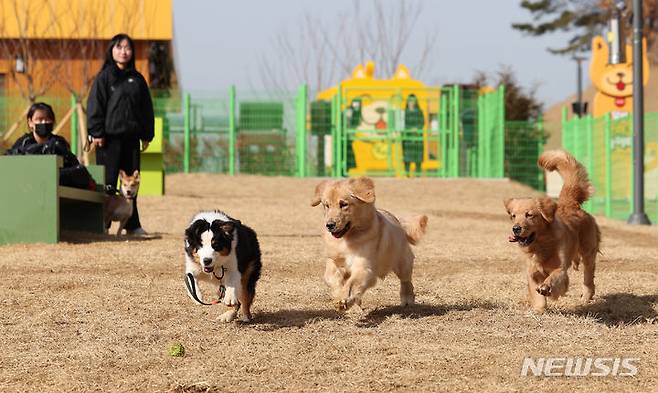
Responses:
[98,314]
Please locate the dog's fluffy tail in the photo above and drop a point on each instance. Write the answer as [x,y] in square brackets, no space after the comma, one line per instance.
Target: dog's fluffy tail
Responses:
[415,229]
[577,188]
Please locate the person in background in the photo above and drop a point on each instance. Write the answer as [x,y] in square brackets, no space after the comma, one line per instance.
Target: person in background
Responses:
[41,140]
[412,142]
[119,116]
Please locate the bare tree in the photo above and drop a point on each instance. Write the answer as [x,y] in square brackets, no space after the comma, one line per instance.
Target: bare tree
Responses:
[320,53]
[31,79]
[80,55]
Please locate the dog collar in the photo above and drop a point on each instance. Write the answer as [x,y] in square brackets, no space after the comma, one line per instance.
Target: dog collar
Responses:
[222,269]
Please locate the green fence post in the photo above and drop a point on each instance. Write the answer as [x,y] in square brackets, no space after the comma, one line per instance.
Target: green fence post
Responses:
[589,145]
[481,139]
[300,145]
[74,125]
[631,196]
[540,151]
[334,99]
[608,164]
[231,130]
[500,162]
[456,122]
[341,139]
[443,132]
[186,133]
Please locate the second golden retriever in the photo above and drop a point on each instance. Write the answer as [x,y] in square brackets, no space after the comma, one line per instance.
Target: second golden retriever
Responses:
[555,235]
[364,243]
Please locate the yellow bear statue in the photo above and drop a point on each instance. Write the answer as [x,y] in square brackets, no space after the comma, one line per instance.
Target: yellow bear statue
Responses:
[614,82]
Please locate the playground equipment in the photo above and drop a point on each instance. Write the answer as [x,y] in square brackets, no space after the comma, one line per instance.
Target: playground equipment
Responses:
[614,82]
[152,166]
[400,126]
[372,112]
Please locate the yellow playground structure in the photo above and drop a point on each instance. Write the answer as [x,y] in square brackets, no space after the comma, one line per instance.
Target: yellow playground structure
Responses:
[375,134]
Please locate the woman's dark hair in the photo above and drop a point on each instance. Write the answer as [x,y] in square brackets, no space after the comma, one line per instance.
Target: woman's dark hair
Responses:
[41,106]
[109,60]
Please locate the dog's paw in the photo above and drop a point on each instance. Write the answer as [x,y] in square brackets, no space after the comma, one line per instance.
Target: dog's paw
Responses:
[544,290]
[343,305]
[538,310]
[245,318]
[230,297]
[408,300]
[228,316]
[586,298]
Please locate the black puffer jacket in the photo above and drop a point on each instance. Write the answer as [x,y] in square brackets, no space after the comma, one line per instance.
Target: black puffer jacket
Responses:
[120,104]
[55,144]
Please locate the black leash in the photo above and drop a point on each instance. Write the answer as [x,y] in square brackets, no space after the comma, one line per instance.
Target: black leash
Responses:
[190,284]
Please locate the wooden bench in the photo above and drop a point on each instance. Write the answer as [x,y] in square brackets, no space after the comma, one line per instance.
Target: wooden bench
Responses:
[34,208]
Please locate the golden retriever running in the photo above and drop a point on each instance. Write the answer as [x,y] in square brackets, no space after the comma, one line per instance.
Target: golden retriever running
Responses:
[364,243]
[554,235]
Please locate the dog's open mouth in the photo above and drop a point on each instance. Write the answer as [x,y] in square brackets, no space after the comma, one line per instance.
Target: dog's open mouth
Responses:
[523,241]
[208,269]
[342,232]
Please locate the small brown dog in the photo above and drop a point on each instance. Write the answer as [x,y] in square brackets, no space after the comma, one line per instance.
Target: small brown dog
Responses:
[364,243]
[120,207]
[555,235]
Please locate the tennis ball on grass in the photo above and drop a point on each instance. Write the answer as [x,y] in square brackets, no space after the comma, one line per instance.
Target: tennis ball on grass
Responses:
[177,350]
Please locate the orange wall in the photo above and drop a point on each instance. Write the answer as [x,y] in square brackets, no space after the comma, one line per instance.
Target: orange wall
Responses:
[92,19]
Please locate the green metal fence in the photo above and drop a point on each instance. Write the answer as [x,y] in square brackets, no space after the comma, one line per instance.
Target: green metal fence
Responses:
[237,132]
[604,146]
[446,132]
[436,132]
[524,143]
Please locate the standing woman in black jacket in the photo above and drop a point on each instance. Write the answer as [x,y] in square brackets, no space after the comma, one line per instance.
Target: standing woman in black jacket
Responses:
[119,116]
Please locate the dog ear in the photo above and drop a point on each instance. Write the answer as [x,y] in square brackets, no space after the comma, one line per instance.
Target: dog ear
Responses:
[193,233]
[507,202]
[136,174]
[228,227]
[225,226]
[122,174]
[547,208]
[599,57]
[363,189]
[319,189]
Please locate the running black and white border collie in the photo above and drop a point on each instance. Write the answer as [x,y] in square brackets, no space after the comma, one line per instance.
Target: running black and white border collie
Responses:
[223,252]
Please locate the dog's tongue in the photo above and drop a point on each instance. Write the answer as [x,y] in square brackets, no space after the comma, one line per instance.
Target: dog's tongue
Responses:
[207,269]
[512,239]
[335,234]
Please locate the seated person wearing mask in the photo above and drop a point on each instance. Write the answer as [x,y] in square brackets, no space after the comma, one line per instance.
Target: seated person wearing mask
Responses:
[41,140]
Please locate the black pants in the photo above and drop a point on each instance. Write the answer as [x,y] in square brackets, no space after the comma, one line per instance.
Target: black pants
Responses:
[120,153]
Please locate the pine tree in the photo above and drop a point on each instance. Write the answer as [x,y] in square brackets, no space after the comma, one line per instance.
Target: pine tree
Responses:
[584,19]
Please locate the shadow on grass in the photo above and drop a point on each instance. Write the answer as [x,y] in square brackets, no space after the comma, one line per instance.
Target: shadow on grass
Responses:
[88,237]
[417,311]
[268,321]
[280,319]
[619,309]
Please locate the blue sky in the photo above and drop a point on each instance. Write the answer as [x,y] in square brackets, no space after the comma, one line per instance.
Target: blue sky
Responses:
[219,43]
